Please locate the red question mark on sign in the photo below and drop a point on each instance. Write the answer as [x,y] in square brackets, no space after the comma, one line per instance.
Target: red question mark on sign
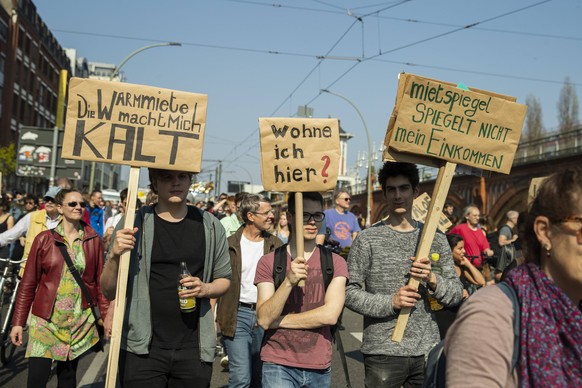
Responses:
[325,166]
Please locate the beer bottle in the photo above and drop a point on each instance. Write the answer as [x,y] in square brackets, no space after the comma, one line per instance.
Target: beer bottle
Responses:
[187,305]
[436,268]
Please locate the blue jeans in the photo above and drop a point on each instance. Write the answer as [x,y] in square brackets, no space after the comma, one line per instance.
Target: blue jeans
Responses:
[393,371]
[244,361]
[281,376]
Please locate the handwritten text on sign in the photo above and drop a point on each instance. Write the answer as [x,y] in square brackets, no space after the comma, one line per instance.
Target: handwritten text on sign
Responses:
[439,120]
[134,125]
[299,154]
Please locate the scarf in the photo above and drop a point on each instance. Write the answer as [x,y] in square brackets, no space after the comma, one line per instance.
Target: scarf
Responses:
[551,331]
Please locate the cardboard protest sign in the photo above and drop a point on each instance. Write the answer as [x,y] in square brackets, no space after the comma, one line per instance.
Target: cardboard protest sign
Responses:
[439,120]
[420,208]
[141,126]
[299,154]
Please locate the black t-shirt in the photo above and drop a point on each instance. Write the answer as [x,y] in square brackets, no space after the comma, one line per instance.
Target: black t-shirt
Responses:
[175,242]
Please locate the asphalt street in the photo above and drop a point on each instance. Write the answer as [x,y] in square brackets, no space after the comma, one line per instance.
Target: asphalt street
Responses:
[92,367]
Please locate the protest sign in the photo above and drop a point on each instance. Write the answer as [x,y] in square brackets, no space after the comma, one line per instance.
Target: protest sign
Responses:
[420,208]
[139,126]
[136,125]
[439,120]
[299,154]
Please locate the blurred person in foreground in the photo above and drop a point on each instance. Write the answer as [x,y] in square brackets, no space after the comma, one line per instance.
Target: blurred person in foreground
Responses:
[62,327]
[549,289]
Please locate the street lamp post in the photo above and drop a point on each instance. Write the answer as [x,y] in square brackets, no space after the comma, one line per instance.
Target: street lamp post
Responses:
[369,180]
[113,75]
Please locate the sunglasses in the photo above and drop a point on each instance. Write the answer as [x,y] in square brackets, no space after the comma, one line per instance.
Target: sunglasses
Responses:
[577,220]
[346,199]
[317,217]
[75,203]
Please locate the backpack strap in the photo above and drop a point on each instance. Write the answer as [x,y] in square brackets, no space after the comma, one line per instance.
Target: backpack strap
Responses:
[326,265]
[280,265]
[510,293]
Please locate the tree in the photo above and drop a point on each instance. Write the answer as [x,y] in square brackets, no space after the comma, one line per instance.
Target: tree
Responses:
[534,126]
[567,107]
[8,159]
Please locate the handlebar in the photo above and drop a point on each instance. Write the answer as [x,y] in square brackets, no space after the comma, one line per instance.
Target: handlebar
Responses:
[13,261]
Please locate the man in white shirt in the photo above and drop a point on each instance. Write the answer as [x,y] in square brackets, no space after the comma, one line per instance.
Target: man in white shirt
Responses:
[237,308]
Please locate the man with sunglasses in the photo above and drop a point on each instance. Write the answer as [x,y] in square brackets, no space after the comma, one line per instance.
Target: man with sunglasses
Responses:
[237,308]
[34,222]
[298,320]
[343,224]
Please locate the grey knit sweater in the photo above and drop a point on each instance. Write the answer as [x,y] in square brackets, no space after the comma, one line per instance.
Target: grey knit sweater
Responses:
[379,264]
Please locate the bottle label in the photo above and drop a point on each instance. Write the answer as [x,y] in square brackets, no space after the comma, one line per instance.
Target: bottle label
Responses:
[187,304]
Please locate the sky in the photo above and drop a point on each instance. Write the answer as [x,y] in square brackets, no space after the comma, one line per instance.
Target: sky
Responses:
[265,59]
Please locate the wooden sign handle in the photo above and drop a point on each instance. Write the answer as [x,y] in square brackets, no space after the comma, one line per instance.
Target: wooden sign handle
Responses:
[123,274]
[439,195]
[300,244]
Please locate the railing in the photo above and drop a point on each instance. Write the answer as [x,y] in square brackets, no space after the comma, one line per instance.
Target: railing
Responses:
[552,146]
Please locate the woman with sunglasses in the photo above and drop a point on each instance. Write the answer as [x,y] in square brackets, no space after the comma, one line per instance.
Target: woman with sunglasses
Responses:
[548,287]
[62,326]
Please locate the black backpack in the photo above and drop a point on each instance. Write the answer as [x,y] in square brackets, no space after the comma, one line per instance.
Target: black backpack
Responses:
[280,265]
[280,268]
[436,365]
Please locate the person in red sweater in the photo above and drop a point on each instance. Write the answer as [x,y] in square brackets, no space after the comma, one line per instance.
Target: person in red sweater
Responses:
[475,241]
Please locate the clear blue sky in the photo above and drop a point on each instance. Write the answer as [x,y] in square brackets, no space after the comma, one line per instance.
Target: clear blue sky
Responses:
[516,48]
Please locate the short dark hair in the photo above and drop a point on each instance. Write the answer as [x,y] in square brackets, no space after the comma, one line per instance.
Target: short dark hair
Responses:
[30,197]
[454,239]
[153,174]
[123,195]
[394,169]
[311,195]
[238,197]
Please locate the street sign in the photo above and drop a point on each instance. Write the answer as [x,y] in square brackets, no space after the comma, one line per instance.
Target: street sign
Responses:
[35,155]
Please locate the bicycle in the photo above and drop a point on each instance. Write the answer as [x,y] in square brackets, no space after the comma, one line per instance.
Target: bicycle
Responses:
[9,283]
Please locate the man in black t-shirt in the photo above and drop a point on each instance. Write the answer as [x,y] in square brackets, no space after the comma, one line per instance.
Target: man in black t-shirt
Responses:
[161,345]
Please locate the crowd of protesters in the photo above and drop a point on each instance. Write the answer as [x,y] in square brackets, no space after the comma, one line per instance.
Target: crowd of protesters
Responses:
[232,244]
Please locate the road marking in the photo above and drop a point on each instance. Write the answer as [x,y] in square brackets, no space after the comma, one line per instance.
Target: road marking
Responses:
[95,368]
[357,335]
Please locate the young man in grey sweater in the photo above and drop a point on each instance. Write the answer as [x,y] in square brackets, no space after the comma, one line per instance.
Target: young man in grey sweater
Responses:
[380,263]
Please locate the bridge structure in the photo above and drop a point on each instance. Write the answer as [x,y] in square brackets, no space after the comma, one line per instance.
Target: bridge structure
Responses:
[496,193]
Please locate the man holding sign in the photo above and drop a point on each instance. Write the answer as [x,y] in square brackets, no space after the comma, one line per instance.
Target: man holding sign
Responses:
[163,345]
[380,264]
[298,320]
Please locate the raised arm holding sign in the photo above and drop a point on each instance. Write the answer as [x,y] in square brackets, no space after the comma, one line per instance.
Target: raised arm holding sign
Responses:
[302,155]
[441,121]
[437,124]
[163,130]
